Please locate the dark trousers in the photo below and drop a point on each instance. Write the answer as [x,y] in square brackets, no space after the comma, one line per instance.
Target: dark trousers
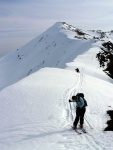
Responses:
[79,116]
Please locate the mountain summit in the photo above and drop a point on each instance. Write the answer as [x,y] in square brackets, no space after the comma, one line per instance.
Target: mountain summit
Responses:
[35,112]
[57,46]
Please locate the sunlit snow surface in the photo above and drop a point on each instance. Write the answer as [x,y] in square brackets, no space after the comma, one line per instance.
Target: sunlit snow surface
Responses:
[35,113]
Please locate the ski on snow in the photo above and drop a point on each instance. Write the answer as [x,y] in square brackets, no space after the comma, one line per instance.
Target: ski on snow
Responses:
[83,130]
[79,132]
[76,130]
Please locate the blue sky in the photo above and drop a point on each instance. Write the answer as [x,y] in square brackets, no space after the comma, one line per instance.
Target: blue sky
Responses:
[23,20]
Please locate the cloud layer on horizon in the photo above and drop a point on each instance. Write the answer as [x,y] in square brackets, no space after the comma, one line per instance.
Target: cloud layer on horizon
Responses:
[26,19]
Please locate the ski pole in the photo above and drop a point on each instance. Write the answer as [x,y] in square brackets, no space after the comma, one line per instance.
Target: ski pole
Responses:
[88,123]
[71,111]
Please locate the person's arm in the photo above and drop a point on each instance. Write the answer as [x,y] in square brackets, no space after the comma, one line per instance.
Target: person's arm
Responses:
[71,100]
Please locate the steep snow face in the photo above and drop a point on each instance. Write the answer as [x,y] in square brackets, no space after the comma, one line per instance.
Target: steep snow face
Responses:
[35,112]
[57,46]
[53,48]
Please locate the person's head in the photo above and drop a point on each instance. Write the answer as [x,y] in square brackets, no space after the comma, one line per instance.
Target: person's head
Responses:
[74,98]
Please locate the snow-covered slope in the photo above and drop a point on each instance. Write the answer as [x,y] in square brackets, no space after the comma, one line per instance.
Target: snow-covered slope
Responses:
[51,49]
[35,112]
[57,46]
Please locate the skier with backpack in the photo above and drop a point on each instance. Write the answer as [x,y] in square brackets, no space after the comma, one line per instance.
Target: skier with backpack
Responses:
[81,104]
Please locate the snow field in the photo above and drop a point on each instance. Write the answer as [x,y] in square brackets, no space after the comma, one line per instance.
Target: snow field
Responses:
[39,115]
[35,112]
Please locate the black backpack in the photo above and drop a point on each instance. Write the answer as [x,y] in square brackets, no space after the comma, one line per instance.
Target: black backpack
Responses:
[82,95]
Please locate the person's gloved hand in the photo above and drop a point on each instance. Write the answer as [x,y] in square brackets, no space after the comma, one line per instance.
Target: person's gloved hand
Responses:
[69,100]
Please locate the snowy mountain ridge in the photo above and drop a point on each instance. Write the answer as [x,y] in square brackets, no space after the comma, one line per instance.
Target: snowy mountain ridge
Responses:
[60,44]
[50,46]
[89,34]
[35,112]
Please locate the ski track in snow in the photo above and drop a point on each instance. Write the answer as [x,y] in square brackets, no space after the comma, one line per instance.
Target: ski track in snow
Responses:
[39,135]
[89,141]
[41,118]
[65,137]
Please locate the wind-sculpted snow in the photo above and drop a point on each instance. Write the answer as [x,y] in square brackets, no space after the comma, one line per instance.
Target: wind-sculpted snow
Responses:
[35,111]
[60,44]
[52,48]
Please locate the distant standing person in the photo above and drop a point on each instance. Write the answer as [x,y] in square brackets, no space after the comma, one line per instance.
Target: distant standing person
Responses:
[80,111]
